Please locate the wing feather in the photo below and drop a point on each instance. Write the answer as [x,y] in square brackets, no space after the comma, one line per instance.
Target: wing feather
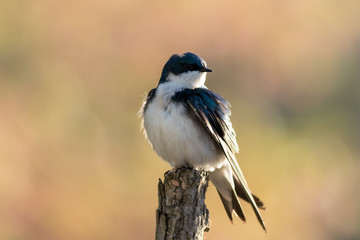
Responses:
[213,113]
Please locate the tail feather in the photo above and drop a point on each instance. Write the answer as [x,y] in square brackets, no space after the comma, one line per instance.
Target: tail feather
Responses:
[248,196]
[229,187]
[231,205]
[241,193]
[237,207]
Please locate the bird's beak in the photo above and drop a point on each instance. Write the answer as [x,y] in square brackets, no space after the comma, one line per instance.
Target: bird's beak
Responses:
[204,69]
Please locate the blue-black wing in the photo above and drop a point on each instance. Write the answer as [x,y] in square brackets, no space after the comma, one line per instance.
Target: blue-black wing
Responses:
[213,113]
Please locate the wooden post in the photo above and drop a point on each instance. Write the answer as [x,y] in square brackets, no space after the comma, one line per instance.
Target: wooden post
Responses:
[182,213]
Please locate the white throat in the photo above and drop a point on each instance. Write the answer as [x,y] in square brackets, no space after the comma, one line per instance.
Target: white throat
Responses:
[191,79]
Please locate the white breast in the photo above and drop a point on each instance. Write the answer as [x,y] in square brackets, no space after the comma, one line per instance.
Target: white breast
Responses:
[175,135]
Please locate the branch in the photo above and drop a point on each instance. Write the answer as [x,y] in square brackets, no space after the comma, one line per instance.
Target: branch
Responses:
[182,213]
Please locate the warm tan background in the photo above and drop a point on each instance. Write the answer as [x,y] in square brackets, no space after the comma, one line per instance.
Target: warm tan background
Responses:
[74,165]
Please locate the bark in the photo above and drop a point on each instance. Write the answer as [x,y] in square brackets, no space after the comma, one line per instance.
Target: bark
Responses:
[182,213]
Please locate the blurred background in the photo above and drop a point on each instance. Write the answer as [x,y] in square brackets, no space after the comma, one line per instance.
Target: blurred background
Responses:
[75,165]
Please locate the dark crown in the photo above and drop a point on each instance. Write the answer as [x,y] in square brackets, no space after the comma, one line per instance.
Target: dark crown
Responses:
[186,62]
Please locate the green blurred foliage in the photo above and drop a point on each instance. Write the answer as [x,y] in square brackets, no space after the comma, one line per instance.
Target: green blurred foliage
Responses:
[74,164]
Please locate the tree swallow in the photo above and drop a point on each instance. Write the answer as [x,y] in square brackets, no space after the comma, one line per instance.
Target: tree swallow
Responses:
[189,125]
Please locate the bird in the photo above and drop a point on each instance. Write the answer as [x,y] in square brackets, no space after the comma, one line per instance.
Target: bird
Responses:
[188,125]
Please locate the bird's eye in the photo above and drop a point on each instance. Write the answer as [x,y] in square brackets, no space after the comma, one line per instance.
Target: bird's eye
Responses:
[187,66]
[191,67]
[194,66]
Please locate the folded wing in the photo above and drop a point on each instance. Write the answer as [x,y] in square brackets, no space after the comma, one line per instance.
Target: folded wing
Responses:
[213,112]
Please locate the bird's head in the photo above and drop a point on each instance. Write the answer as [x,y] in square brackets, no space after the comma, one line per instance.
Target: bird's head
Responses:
[187,69]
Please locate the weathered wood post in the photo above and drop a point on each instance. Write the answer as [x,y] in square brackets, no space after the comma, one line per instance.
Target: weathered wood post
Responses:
[182,213]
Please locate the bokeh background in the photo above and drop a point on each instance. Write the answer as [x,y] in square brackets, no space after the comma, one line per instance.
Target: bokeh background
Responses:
[74,164]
